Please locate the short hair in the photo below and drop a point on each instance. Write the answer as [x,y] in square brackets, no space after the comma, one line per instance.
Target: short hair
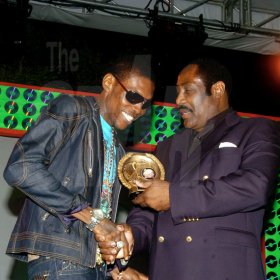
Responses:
[139,64]
[212,71]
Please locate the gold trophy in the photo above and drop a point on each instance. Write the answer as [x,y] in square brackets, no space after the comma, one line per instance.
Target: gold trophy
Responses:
[140,167]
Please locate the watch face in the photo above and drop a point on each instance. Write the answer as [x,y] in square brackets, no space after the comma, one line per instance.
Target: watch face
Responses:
[98,214]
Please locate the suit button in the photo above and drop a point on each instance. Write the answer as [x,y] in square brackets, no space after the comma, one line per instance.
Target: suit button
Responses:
[161,239]
[189,239]
[205,177]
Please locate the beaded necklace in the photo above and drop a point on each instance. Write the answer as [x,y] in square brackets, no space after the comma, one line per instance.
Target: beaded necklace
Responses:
[109,168]
[109,175]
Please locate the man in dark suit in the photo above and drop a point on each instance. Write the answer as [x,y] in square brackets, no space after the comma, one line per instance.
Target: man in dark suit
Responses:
[205,221]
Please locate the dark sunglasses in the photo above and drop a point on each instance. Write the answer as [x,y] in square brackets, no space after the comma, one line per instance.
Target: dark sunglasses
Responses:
[134,97]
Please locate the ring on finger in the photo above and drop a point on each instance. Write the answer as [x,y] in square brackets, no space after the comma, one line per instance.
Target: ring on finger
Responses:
[120,244]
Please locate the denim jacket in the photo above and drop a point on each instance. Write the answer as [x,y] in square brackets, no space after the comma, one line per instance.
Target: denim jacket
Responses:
[58,165]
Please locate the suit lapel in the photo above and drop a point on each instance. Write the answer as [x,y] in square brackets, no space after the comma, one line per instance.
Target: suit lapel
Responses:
[189,164]
[178,153]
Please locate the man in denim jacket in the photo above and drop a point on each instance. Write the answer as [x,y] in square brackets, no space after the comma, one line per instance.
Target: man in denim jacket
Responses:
[66,167]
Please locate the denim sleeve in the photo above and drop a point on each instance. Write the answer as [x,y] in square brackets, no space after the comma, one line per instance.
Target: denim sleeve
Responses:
[27,168]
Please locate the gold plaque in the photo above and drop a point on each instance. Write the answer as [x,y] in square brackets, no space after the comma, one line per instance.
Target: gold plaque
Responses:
[141,167]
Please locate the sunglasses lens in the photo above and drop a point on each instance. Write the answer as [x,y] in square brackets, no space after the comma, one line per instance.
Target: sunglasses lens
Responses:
[134,97]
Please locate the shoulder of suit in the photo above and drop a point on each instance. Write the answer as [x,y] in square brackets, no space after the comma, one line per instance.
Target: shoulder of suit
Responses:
[263,126]
[257,121]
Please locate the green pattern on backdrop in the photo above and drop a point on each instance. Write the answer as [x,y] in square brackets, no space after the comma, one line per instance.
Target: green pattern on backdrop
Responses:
[165,121]
[272,238]
[20,107]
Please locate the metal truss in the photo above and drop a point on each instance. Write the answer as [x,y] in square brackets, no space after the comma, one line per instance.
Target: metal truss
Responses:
[226,22]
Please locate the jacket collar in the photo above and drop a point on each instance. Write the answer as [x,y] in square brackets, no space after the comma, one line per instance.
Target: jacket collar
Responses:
[208,143]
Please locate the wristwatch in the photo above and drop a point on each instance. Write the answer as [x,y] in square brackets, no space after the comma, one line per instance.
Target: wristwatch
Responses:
[96,217]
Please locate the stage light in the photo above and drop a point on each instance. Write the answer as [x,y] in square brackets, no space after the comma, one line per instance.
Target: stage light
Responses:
[172,44]
[168,34]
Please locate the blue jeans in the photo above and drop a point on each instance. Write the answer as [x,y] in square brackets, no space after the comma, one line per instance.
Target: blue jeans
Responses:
[46,268]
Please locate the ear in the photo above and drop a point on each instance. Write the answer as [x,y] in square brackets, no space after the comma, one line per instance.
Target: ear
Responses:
[107,82]
[218,89]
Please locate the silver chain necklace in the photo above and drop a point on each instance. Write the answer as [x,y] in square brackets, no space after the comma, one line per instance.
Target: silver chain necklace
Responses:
[109,161]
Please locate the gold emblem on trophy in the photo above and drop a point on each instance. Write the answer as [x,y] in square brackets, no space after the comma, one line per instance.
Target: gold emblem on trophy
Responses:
[140,167]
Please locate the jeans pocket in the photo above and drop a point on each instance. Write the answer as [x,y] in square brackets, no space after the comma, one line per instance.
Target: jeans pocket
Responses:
[69,268]
[38,269]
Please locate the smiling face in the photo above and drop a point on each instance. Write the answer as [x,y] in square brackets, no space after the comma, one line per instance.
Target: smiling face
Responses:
[195,106]
[114,106]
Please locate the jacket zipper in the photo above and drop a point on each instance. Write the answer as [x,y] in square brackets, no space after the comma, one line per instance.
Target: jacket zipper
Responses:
[90,157]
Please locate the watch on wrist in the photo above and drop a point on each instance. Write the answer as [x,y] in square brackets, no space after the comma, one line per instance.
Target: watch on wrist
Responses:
[96,215]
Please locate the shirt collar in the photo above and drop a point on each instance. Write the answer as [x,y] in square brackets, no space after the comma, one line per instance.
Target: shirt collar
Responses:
[212,123]
[107,130]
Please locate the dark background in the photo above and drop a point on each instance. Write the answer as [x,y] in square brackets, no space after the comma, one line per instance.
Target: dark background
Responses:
[25,57]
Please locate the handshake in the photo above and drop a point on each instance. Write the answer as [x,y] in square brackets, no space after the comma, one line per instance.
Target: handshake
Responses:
[115,241]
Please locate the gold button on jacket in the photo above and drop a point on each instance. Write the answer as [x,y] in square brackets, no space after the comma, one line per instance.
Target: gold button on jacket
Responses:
[161,239]
[189,239]
[205,177]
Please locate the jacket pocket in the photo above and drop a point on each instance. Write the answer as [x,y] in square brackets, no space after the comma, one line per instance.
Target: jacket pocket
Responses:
[236,237]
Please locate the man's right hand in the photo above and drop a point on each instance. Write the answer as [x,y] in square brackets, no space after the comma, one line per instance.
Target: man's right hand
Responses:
[108,235]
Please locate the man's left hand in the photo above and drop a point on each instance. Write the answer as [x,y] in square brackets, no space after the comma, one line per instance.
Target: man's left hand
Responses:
[128,274]
[155,195]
